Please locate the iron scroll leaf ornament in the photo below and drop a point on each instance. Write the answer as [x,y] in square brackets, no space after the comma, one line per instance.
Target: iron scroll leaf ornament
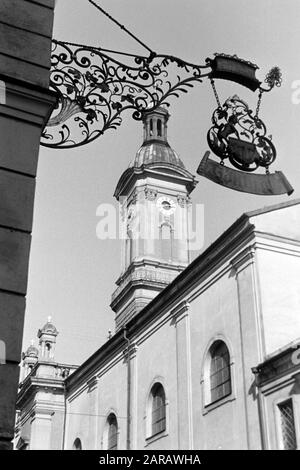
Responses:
[95,88]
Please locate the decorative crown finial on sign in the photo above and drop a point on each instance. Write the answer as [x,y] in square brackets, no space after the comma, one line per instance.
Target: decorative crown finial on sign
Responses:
[274,77]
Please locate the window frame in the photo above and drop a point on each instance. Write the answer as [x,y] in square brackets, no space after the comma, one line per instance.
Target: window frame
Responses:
[157,409]
[207,404]
[2,345]
[105,432]
[279,435]
[218,371]
[159,128]
[74,447]
[115,435]
[149,436]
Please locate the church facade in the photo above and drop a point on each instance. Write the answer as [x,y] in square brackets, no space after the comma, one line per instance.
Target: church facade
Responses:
[205,353]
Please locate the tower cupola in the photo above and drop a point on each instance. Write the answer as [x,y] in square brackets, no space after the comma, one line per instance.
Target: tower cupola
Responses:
[47,340]
[155,147]
[155,125]
[30,358]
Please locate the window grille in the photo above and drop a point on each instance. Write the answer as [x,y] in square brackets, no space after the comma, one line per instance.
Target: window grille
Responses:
[112,432]
[158,409]
[288,425]
[220,379]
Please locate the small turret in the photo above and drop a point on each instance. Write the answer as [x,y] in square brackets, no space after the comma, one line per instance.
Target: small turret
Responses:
[30,358]
[47,340]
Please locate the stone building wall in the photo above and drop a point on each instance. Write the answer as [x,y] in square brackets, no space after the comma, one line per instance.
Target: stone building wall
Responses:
[25,105]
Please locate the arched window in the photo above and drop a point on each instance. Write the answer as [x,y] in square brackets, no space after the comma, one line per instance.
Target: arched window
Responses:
[48,349]
[77,444]
[159,128]
[112,438]
[158,409]
[219,373]
[151,127]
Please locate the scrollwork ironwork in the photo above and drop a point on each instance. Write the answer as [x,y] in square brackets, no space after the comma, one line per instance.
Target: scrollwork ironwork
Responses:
[94,88]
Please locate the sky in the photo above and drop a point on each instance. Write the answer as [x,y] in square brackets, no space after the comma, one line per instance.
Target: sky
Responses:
[72,273]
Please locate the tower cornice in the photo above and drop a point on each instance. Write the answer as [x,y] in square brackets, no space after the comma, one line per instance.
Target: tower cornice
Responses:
[158,170]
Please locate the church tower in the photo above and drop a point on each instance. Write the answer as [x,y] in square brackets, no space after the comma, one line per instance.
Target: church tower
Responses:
[154,198]
[47,340]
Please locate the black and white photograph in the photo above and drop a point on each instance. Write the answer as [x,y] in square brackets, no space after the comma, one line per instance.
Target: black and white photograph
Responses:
[149,229]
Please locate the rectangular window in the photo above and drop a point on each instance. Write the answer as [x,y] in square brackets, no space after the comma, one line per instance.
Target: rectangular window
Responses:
[287,423]
[158,420]
[220,380]
[158,415]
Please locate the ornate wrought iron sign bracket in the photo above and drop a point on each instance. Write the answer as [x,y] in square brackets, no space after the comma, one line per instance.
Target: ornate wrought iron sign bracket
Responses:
[95,87]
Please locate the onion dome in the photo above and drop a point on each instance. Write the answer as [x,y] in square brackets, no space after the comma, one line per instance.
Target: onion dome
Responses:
[48,328]
[156,153]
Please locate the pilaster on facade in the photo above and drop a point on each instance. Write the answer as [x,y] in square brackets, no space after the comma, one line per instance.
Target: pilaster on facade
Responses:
[252,341]
[180,312]
[93,397]
[183,200]
[243,259]
[130,351]
[92,383]
[181,320]
[150,193]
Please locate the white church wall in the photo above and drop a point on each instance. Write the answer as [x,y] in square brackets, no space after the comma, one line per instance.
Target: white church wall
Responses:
[77,419]
[283,222]
[156,362]
[279,274]
[113,399]
[215,316]
[279,271]
[89,407]
[215,311]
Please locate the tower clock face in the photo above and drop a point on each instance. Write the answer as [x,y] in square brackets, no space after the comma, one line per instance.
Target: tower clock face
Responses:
[166,205]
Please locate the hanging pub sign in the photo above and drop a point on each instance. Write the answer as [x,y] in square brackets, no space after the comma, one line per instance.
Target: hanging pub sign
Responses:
[239,137]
